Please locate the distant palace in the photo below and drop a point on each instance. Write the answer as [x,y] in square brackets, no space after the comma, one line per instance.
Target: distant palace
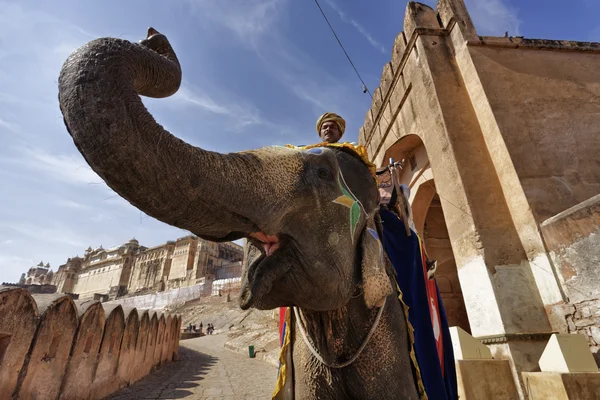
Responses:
[132,269]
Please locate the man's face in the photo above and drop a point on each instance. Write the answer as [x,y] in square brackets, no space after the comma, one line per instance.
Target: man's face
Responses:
[330,132]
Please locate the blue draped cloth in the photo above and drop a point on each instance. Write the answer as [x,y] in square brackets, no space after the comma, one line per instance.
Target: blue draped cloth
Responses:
[405,254]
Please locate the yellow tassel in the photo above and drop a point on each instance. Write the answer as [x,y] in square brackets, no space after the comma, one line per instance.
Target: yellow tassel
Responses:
[282,376]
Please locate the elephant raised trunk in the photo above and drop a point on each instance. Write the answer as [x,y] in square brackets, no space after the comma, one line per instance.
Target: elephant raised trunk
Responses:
[160,174]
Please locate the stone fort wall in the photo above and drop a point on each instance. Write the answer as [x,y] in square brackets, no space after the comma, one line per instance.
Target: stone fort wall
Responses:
[52,346]
[499,138]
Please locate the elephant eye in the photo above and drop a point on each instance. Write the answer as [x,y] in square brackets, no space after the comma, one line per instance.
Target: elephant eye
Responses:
[324,173]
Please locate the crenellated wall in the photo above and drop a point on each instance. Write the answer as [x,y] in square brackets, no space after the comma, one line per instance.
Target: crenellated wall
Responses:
[52,347]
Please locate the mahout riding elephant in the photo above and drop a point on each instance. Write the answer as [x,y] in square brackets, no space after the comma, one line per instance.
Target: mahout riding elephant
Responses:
[310,217]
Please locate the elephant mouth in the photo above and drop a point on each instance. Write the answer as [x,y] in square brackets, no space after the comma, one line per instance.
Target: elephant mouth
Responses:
[269,243]
[263,271]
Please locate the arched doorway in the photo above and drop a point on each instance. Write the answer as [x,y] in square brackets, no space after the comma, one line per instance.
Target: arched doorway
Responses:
[428,217]
[438,247]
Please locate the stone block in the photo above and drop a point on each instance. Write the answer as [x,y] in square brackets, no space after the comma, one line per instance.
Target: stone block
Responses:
[466,347]
[18,321]
[176,348]
[140,347]
[51,347]
[567,353]
[485,379]
[151,344]
[368,124]
[77,383]
[160,336]
[168,335]
[448,9]
[398,51]
[361,136]
[377,101]
[387,76]
[127,353]
[559,386]
[105,379]
[419,15]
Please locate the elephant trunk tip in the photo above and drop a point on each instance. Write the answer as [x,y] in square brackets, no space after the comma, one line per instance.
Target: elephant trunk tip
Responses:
[151,31]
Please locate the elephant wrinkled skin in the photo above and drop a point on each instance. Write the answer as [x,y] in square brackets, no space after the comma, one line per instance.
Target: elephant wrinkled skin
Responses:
[310,217]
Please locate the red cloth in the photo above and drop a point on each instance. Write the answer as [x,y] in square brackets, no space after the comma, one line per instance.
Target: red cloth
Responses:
[434,309]
[281,323]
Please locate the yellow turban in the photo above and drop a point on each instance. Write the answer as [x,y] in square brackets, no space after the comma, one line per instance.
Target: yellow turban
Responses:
[341,123]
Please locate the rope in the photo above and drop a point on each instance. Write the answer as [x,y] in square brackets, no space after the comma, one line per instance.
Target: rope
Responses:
[353,358]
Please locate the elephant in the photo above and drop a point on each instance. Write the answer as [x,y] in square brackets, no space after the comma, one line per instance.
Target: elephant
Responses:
[310,218]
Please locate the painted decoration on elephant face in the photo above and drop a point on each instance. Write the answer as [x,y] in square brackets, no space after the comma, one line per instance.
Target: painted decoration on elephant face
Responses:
[348,199]
[373,233]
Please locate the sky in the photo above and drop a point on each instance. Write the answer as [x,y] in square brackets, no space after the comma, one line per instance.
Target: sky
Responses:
[255,73]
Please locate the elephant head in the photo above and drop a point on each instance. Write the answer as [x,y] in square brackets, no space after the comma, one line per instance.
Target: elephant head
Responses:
[309,216]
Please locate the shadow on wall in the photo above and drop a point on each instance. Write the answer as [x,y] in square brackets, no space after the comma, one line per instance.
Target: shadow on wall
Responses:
[181,378]
[52,346]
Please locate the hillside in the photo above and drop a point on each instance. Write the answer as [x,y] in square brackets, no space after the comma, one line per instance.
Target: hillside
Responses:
[244,328]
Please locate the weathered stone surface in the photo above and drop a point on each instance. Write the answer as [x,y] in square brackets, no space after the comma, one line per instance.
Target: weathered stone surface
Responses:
[475,382]
[126,367]
[419,15]
[151,345]
[49,355]
[449,9]
[54,348]
[160,336]
[106,380]
[368,124]
[141,344]
[398,51]
[387,76]
[567,353]
[510,142]
[164,356]
[377,101]
[206,371]
[77,382]
[557,386]
[18,323]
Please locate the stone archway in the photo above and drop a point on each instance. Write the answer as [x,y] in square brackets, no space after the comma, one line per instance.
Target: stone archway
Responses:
[430,223]
[437,244]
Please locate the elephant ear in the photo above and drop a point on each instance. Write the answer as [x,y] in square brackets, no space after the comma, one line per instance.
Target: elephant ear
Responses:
[375,280]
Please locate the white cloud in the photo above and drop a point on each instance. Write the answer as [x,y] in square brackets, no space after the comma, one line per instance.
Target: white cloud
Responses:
[71,204]
[49,232]
[70,168]
[242,114]
[345,18]
[8,127]
[248,19]
[494,17]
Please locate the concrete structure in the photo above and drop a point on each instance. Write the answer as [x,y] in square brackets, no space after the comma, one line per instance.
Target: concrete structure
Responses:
[499,147]
[52,347]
